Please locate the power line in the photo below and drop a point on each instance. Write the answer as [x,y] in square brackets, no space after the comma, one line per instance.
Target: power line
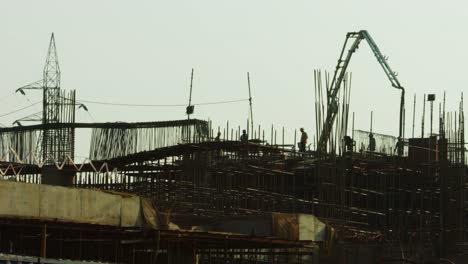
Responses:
[90,116]
[6,97]
[223,102]
[20,109]
[31,103]
[160,105]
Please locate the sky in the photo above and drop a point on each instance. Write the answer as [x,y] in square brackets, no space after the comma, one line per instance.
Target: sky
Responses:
[142,52]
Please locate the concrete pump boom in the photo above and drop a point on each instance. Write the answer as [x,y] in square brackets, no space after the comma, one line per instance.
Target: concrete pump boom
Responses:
[338,76]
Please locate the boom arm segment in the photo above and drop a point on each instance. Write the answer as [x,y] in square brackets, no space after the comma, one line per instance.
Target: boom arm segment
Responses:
[338,77]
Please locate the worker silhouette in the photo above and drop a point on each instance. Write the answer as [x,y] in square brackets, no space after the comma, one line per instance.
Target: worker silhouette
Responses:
[218,153]
[244,138]
[349,143]
[399,147]
[371,142]
[218,137]
[303,142]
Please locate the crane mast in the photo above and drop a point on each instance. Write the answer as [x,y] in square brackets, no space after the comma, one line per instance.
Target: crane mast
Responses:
[338,77]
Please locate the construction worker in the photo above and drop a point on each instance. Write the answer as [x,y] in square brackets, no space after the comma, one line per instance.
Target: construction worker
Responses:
[302,144]
[219,152]
[371,142]
[218,137]
[399,147]
[244,138]
[349,143]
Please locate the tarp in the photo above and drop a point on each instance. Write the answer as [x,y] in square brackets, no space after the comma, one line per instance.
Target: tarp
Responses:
[45,202]
[284,226]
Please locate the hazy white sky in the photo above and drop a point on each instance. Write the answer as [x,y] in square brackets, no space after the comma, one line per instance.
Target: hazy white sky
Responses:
[143,51]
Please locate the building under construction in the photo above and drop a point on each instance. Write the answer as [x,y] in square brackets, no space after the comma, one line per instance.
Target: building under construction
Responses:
[172,192]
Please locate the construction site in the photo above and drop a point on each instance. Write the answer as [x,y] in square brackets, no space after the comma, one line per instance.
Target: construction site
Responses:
[190,191]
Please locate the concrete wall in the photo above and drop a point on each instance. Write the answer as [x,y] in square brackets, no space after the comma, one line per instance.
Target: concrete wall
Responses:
[34,201]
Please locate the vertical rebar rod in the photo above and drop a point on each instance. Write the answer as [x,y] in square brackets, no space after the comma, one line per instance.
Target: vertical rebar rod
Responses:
[282,140]
[295,142]
[423,116]
[432,110]
[190,95]
[414,114]
[250,101]
[271,138]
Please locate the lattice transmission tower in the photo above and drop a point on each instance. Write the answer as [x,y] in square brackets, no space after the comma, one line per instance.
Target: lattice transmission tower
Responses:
[58,107]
